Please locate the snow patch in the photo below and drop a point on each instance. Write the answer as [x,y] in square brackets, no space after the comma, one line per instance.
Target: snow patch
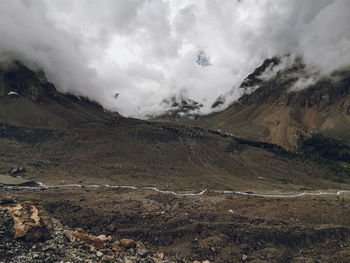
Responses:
[12,93]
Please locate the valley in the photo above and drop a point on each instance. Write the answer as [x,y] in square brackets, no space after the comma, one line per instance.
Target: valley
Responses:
[187,189]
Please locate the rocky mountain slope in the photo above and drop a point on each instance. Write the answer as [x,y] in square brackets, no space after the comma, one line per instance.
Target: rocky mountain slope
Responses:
[284,104]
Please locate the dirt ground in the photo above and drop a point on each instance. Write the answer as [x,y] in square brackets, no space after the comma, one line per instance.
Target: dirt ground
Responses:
[217,227]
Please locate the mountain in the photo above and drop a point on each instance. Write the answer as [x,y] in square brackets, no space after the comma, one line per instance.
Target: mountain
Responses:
[284,104]
[28,99]
[179,109]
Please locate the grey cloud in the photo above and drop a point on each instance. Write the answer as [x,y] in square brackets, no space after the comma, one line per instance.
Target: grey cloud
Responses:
[147,50]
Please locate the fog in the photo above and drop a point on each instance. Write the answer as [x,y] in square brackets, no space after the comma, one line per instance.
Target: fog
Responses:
[150,50]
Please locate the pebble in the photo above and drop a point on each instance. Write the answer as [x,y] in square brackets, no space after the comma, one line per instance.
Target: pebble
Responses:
[99,254]
[102,237]
[244,257]
[128,243]
[141,252]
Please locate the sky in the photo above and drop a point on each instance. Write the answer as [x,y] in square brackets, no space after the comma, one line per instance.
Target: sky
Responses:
[132,55]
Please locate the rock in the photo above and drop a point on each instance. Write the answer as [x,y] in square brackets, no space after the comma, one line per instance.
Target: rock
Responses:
[99,254]
[36,256]
[160,255]
[109,238]
[27,223]
[128,243]
[85,238]
[102,237]
[126,260]
[141,252]
[69,236]
[206,261]
[244,257]
[119,248]
[17,170]
[196,261]
[111,227]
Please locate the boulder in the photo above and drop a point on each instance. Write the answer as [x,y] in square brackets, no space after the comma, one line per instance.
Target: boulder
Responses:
[27,223]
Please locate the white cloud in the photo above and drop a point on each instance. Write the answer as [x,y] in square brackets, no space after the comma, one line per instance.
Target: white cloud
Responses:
[146,50]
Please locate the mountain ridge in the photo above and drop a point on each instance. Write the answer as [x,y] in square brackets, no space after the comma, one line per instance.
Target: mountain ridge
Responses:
[272,110]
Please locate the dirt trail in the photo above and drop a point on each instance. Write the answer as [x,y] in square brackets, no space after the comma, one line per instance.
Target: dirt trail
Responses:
[187,193]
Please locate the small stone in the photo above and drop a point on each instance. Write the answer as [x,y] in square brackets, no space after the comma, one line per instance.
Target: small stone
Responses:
[102,237]
[160,255]
[196,261]
[126,260]
[141,252]
[109,238]
[36,256]
[231,211]
[127,243]
[99,254]
[244,257]
[118,248]
[206,261]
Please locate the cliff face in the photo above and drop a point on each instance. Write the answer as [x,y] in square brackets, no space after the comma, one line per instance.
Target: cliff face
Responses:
[28,99]
[277,110]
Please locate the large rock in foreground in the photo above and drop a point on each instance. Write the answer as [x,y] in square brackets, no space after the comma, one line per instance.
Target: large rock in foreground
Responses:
[27,223]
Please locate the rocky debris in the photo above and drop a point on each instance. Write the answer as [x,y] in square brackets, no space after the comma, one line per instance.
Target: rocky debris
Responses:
[24,238]
[27,222]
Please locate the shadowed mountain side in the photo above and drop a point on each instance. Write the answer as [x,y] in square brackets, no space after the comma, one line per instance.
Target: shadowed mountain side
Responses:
[28,99]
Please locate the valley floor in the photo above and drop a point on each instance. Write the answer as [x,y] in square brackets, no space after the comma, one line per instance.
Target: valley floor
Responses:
[212,226]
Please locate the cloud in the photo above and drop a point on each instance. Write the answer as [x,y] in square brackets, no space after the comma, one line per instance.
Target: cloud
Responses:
[147,50]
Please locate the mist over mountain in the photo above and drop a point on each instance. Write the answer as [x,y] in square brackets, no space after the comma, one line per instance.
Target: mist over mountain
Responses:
[151,51]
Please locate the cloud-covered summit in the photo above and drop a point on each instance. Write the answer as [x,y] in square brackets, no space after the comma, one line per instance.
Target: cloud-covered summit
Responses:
[148,50]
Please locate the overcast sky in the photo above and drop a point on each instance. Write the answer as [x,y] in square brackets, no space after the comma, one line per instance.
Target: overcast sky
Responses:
[147,50]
